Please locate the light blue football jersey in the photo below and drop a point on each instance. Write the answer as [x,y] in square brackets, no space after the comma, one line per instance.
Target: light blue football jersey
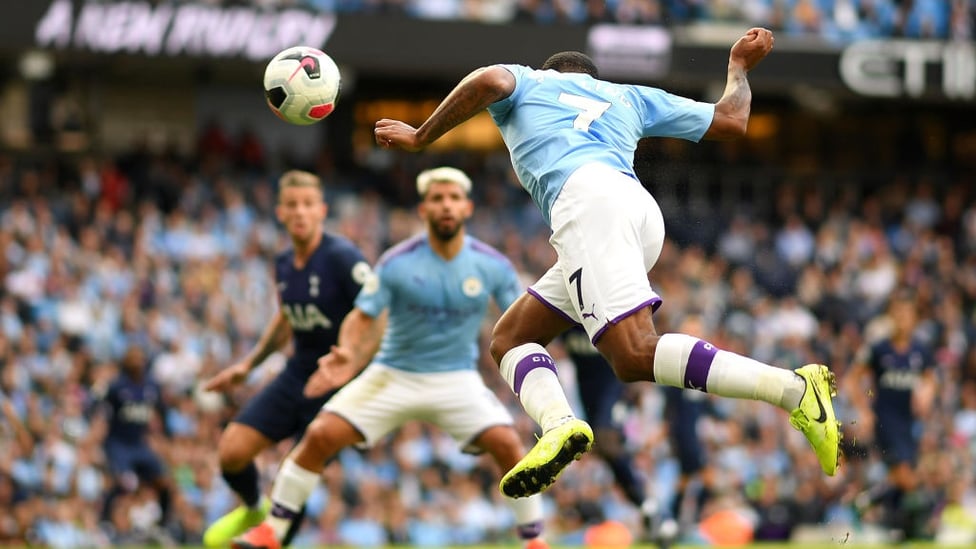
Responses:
[556,122]
[436,307]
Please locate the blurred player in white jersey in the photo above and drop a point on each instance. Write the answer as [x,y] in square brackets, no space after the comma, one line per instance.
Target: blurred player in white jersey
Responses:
[572,139]
[431,292]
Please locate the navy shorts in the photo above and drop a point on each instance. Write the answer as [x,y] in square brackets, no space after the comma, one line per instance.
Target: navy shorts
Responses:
[599,391]
[897,442]
[281,410]
[139,459]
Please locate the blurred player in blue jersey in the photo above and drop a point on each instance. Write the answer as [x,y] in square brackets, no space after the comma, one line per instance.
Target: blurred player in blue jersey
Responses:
[572,139]
[129,404]
[434,289]
[899,371]
[317,282]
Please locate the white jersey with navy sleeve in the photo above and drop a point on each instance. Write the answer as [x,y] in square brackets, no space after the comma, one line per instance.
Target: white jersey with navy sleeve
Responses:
[555,122]
[436,306]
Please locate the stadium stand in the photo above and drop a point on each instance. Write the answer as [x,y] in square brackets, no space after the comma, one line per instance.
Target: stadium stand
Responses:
[167,252]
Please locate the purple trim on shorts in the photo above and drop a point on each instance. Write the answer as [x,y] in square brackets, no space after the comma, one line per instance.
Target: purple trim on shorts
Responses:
[699,363]
[655,303]
[529,363]
[530,530]
[555,309]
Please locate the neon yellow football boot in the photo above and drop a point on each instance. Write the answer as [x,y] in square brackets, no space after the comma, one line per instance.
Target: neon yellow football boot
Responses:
[235,523]
[552,453]
[814,417]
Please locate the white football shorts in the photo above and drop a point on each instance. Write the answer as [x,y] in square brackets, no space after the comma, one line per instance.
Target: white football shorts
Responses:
[381,399]
[608,232]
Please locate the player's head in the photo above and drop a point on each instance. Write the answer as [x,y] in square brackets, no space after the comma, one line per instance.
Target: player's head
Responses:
[571,61]
[301,205]
[903,311]
[444,201]
[133,362]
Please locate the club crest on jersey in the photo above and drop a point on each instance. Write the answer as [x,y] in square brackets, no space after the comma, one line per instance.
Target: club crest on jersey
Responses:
[313,285]
[305,317]
[472,287]
[361,272]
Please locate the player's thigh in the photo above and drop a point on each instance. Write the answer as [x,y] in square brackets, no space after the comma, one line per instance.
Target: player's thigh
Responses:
[120,457]
[461,405]
[376,402]
[896,444]
[537,316]
[239,444]
[607,232]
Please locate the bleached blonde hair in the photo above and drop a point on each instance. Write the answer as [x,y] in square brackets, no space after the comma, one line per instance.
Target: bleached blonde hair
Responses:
[442,174]
[299,178]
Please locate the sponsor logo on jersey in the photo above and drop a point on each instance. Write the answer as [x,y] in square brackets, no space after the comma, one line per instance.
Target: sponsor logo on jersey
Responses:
[305,317]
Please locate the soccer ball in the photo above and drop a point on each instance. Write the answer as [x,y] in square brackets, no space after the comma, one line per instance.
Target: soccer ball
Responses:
[301,85]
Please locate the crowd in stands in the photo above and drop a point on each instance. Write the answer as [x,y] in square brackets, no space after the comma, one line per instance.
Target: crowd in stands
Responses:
[173,254]
[834,20]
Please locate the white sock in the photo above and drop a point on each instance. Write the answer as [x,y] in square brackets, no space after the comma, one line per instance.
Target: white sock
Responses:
[531,373]
[291,489]
[528,515]
[685,361]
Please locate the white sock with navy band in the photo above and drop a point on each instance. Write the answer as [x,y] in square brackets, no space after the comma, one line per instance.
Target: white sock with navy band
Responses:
[528,515]
[292,486]
[531,373]
[685,361]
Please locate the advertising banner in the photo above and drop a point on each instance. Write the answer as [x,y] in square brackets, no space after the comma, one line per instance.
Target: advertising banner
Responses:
[388,47]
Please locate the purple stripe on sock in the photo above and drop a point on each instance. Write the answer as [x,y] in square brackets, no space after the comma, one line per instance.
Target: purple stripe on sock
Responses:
[530,530]
[529,363]
[280,511]
[699,363]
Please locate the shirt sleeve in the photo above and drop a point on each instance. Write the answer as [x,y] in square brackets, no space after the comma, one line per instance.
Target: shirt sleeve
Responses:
[508,288]
[354,269]
[499,109]
[376,294]
[669,115]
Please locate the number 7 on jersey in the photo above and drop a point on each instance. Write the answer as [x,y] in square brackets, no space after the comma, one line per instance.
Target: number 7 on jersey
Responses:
[590,109]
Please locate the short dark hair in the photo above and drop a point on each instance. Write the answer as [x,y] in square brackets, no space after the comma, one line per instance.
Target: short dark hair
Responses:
[571,61]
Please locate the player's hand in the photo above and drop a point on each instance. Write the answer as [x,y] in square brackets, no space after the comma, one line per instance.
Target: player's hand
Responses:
[227,378]
[335,370]
[749,50]
[393,133]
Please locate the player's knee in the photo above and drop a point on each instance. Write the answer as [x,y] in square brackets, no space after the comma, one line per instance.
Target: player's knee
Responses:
[320,439]
[500,344]
[232,455]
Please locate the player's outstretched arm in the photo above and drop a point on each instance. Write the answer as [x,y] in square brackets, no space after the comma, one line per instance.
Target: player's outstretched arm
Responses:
[473,94]
[275,336]
[732,111]
[359,339]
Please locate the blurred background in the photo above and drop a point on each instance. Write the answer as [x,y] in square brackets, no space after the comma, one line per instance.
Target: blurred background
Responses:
[137,182]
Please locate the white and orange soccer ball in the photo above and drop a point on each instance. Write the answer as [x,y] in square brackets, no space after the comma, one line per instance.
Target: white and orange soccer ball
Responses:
[302,85]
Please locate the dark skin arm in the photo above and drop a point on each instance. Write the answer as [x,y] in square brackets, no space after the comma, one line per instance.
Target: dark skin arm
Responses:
[472,95]
[732,111]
